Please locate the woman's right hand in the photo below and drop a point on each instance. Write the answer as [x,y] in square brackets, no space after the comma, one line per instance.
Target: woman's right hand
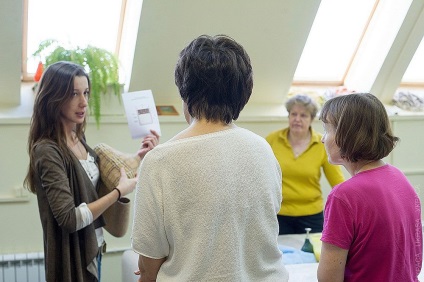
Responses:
[126,185]
[148,143]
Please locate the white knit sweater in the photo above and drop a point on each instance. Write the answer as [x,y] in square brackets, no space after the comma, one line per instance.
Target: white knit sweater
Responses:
[209,203]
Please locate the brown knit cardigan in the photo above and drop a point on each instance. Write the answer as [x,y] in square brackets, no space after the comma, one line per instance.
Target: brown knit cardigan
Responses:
[61,186]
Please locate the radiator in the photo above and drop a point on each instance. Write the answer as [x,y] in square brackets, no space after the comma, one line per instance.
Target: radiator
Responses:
[22,267]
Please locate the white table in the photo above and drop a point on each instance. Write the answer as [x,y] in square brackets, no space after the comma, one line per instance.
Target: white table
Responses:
[293,240]
[305,272]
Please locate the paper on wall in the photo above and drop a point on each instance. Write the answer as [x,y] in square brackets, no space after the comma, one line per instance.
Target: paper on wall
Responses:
[141,113]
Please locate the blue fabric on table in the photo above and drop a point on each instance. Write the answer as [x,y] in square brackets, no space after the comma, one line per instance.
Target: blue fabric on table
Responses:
[295,256]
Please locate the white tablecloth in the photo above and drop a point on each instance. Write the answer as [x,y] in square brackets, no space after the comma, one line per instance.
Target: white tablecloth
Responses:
[307,272]
[292,240]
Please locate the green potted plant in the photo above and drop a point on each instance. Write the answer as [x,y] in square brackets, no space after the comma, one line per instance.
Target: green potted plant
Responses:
[101,65]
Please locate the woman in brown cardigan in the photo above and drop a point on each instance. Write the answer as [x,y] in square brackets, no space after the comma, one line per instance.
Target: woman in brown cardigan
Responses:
[64,174]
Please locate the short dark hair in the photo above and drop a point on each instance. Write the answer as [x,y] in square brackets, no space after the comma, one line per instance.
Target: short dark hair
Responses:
[214,77]
[362,126]
[303,100]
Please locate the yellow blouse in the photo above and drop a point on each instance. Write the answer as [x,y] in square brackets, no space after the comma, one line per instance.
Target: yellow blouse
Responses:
[302,194]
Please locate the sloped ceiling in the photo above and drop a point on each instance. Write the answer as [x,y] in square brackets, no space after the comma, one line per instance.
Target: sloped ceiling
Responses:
[273,32]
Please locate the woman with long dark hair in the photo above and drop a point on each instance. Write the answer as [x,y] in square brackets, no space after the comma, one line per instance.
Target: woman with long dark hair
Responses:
[64,174]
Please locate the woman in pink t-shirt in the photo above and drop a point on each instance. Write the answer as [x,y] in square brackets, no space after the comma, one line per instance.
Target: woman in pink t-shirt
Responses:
[372,222]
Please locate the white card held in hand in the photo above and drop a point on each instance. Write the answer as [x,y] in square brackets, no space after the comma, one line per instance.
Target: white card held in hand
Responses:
[141,113]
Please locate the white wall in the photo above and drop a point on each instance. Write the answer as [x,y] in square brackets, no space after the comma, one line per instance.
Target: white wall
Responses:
[273,33]
[21,229]
[11,13]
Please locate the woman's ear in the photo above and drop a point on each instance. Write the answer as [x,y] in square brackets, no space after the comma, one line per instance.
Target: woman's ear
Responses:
[187,115]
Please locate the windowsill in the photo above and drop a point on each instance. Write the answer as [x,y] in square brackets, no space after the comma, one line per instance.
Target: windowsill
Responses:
[24,110]
[253,112]
[22,114]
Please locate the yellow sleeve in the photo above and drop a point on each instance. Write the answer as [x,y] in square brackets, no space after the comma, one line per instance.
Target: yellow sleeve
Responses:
[333,173]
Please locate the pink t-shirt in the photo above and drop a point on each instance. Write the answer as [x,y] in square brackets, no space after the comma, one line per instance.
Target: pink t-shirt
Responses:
[376,215]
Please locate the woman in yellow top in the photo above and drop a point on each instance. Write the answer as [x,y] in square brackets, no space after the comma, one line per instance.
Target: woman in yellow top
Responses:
[301,155]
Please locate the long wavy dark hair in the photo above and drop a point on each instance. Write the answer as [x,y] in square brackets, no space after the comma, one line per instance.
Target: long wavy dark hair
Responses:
[54,91]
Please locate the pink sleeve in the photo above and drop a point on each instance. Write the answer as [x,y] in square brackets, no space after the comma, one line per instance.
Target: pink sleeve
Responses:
[338,223]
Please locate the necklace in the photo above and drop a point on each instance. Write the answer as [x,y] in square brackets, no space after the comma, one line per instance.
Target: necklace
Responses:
[297,153]
[81,152]
[361,169]
[76,143]
[299,146]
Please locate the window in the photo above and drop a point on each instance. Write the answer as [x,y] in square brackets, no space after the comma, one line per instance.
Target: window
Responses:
[355,46]
[77,23]
[414,75]
[334,38]
[347,46]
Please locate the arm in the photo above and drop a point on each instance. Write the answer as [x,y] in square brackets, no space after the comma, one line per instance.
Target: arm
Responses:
[50,166]
[148,268]
[332,263]
[148,236]
[125,186]
[51,169]
[333,173]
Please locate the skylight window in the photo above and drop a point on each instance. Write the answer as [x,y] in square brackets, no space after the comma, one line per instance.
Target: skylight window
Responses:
[337,30]
[415,72]
[77,23]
